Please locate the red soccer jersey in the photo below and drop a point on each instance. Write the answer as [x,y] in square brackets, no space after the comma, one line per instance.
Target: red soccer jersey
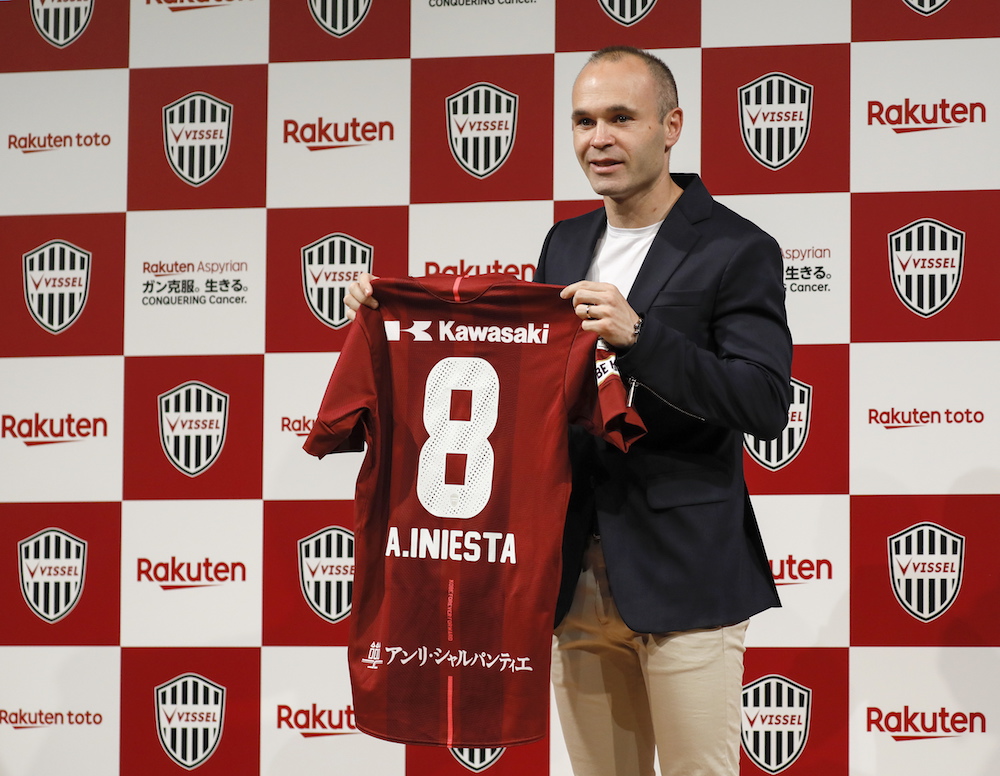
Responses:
[463,389]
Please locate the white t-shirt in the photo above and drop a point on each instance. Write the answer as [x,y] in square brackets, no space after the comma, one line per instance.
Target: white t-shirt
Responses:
[619,255]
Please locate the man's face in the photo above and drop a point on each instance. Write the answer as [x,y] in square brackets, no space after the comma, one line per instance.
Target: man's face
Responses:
[620,141]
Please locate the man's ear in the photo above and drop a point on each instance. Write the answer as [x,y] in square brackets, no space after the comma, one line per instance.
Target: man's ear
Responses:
[673,123]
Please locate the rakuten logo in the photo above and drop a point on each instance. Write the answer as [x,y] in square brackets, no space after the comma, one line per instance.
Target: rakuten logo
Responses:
[919,116]
[177,575]
[520,271]
[795,571]
[38,430]
[323,135]
[895,418]
[908,725]
[316,721]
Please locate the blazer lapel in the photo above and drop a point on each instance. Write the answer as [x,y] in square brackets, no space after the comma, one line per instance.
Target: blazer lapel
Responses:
[674,240]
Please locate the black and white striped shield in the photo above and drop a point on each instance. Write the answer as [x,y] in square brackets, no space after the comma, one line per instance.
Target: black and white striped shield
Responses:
[56,284]
[189,714]
[52,567]
[193,419]
[196,133]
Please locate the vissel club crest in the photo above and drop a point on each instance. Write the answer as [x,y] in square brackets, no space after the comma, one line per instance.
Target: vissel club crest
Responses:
[627,12]
[51,566]
[482,120]
[775,114]
[329,266]
[477,760]
[56,283]
[61,22]
[925,261]
[775,724]
[326,572]
[196,132]
[926,563]
[776,453]
[193,418]
[189,715]
[926,7]
[339,17]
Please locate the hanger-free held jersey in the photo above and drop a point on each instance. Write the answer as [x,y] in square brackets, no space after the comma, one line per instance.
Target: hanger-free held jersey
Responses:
[463,389]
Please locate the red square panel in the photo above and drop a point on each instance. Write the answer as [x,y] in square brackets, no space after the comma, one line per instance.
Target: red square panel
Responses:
[956,582]
[814,458]
[588,26]
[196,468]
[893,299]
[237,671]
[89,615]
[97,40]
[823,676]
[311,30]
[231,178]
[93,328]
[300,293]
[300,609]
[502,130]
[821,162]
[923,19]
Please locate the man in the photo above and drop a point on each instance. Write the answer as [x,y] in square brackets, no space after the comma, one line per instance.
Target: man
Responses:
[663,562]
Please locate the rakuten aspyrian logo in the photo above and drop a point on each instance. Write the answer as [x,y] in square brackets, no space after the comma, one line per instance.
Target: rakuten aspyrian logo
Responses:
[323,135]
[52,568]
[189,714]
[912,116]
[908,725]
[193,418]
[482,123]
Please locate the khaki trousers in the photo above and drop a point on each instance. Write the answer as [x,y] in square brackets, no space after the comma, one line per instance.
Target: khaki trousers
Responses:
[624,697]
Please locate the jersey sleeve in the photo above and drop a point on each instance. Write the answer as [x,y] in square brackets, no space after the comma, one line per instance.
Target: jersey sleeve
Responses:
[346,416]
[598,400]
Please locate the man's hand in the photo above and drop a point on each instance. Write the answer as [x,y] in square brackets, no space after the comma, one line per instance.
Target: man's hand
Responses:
[603,310]
[360,293]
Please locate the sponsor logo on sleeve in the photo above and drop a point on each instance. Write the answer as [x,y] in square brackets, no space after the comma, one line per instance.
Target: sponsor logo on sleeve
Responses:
[925,564]
[775,727]
[775,116]
[329,266]
[189,717]
[196,133]
[193,419]
[52,566]
[56,284]
[776,453]
[482,122]
[925,261]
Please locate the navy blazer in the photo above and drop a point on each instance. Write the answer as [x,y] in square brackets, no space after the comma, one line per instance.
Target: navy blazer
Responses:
[713,361]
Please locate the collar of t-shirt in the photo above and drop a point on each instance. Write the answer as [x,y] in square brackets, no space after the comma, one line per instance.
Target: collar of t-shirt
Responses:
[619,255]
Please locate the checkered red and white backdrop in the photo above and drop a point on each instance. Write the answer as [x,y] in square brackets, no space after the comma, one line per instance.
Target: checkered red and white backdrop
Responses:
[177,177]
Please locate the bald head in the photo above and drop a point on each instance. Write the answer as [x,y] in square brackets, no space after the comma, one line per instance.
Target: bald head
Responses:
[663,79]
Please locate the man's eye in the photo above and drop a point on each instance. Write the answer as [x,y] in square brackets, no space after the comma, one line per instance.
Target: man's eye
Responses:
[621,118]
